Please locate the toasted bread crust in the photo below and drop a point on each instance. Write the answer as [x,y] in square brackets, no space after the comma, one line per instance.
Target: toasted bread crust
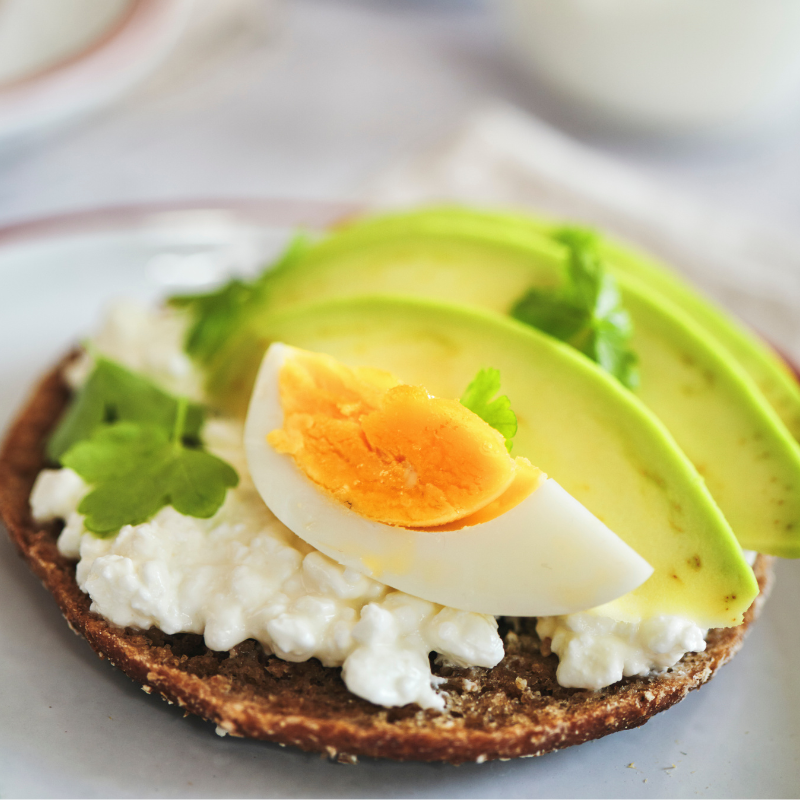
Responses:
[515,709]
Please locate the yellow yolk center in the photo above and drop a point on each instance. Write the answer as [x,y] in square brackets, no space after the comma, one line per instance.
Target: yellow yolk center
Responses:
[527,479]
[389,451]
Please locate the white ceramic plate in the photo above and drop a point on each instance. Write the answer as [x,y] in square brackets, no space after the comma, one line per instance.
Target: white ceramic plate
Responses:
[98,74]
[73,726]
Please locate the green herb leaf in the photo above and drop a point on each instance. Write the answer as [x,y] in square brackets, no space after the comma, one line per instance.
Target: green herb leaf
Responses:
[478,398]
[138,468]
[587,312]
[215,316]
[113,393]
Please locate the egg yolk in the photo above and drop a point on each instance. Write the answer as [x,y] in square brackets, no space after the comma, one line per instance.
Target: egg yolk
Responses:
[527,480]
[389,451]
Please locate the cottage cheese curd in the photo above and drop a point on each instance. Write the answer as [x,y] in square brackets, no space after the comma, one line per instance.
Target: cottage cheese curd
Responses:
[595,651]
[144,340]
[242,574]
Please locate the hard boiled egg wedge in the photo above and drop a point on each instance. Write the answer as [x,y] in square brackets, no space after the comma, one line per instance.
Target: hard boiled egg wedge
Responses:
[421,494]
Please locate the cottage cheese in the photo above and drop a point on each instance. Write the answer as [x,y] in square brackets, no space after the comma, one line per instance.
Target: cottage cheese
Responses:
[147,341]
[596,651]
[242,574]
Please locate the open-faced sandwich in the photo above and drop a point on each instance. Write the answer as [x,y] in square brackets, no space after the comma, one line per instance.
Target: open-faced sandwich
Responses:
[442,485]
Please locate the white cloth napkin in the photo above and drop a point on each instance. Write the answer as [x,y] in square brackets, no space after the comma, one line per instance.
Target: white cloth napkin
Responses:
[505,157]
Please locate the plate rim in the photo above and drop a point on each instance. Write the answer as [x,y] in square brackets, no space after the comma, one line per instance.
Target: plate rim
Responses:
[103,40]
[101,219]
[105,69]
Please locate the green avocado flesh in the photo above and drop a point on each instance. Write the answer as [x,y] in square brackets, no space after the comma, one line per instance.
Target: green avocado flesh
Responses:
[747,457]
[772,376]
[710,405]
[575,422]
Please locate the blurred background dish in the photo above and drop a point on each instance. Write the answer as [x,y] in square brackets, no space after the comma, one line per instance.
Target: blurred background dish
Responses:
[663,66]
[59,61]
[36,35]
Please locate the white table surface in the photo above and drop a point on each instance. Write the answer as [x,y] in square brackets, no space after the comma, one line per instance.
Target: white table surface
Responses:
[310,98]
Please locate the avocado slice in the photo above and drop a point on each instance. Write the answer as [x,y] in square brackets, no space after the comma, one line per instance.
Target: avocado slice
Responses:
[711,406]
[423,258]
[735,439]
[769,371]
[575,422]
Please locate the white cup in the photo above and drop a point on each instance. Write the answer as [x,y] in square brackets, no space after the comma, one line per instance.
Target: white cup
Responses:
[665,66]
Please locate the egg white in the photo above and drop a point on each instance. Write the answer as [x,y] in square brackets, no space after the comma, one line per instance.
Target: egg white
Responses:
[546,556]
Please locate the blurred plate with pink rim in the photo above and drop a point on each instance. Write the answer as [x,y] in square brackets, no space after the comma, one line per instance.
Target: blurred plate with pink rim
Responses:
[59,61]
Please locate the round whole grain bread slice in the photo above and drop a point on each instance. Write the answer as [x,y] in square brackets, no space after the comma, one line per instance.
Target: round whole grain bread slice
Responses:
[515,709]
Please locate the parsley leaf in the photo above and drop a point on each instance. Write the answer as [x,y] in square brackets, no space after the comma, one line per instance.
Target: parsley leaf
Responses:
[587,312]
[113,393]
[139,447]
[215,316]
[478,399]
[138,468]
